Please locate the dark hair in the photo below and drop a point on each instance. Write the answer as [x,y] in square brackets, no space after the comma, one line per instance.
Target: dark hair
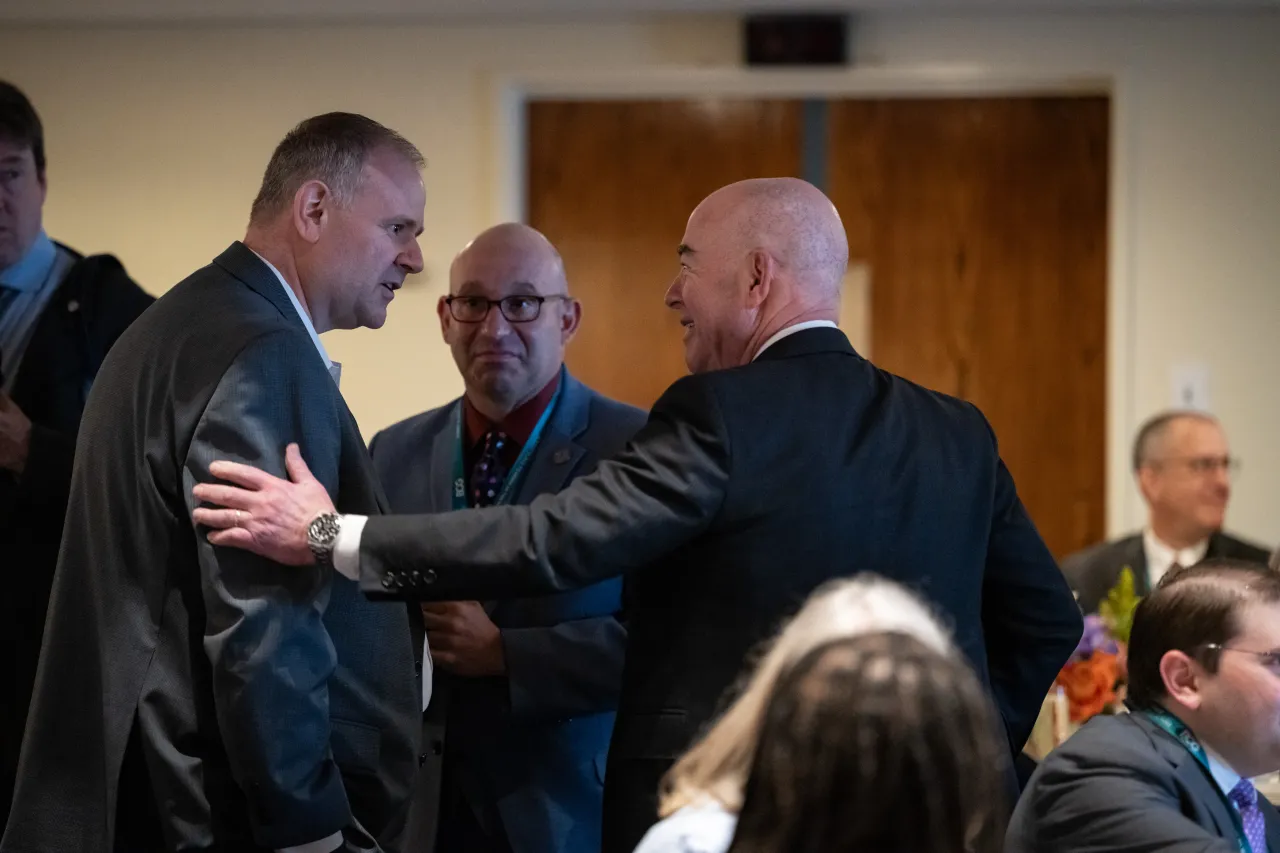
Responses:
[331,148]
[1154,428]
[876,743]
[1189,609]
[20,124]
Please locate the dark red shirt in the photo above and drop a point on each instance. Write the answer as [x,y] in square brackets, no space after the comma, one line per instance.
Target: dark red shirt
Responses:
[518,425]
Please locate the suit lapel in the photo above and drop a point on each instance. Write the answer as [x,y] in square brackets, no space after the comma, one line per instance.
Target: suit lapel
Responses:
[442,457]
[1193,776]
[1273,828]
[351,438]
[1197,779]
[558,453]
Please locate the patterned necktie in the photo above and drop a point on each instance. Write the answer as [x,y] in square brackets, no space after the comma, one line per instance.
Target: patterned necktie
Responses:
[1245,798]
[489,472]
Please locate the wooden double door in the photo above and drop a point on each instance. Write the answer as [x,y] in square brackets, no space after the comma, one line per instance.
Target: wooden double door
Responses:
[977,232]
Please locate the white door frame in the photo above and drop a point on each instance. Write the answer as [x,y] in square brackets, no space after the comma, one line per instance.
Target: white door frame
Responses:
[511,90]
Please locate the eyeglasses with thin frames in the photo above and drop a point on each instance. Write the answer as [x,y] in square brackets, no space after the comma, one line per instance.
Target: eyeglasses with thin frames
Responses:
[518,308]
[1271,659]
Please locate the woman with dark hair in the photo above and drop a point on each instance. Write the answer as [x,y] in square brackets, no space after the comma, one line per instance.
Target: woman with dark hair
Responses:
[876,744]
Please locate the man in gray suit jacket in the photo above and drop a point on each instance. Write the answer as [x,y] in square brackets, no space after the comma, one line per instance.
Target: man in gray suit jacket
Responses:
[1173,776]
[524,690]
[191,697]
[1183,467]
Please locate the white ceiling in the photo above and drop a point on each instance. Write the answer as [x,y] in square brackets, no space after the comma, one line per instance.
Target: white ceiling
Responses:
[159,11]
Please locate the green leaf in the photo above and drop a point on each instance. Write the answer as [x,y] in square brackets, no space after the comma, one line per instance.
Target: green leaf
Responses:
[1117,608]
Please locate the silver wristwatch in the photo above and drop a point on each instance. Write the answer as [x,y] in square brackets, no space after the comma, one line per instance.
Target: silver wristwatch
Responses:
[322,537]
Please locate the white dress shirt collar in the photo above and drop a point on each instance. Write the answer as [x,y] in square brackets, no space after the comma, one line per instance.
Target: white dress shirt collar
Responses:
[1161,557]
[791,330]
[302,312]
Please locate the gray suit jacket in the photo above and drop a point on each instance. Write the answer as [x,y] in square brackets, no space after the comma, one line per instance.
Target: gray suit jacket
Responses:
[1123,785]
[199,698]
[1093,571]
[527,750]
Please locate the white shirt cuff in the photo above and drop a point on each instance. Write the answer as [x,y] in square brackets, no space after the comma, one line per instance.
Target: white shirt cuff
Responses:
[427,667]
[346,551]
[324,845]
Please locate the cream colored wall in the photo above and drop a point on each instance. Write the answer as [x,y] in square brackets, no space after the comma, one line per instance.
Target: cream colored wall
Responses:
[157,138]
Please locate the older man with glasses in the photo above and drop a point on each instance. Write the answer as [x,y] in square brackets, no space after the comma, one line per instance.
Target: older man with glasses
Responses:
[1183,467]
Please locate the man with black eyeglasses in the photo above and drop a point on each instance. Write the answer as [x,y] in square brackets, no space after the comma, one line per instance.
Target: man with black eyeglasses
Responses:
[1183,468]
[1176,773]
[524,694]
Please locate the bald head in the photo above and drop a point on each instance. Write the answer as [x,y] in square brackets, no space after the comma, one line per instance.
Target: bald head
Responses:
[792,220]
[516,244]
[508,316]
[758,256]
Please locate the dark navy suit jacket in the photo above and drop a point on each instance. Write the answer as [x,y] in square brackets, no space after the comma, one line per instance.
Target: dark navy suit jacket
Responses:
[530,748]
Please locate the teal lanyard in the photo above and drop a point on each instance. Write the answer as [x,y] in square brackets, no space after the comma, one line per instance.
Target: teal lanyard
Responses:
[517,471]
[1183,735]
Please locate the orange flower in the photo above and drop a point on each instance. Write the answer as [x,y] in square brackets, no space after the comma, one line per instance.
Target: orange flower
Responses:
[1090,684]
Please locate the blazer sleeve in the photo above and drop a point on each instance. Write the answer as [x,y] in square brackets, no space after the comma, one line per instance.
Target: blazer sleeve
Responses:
[665,488]
[565,670]
[1030,621]
[1074,805]
[270,653]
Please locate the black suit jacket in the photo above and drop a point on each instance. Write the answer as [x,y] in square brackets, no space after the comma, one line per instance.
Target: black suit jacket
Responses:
[200,698]
[746,489]
[527,750]
[1123,785]
[94,303]
[1095,570]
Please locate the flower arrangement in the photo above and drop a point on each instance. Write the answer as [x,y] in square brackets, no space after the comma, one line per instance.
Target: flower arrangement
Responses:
[1093,679]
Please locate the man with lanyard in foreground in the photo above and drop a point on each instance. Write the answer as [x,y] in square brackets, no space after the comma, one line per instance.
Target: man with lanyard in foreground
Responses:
[1174,775]
[525,690]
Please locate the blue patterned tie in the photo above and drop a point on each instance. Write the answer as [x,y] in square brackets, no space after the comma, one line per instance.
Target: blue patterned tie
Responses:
[489,472]
[1245,798]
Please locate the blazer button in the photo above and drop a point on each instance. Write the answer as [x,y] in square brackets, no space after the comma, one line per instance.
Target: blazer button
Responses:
[422,759]
[417,667]
[416,577]
[429,576]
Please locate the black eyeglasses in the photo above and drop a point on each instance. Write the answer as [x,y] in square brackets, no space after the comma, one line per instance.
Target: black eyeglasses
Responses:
[517,309]
[1271,659]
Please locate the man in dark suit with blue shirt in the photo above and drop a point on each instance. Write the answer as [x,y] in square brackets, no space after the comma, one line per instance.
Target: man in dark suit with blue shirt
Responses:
[784,461]
[525,689]
[60,312]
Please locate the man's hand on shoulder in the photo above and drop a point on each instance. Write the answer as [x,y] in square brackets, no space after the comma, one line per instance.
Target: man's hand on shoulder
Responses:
[262,513]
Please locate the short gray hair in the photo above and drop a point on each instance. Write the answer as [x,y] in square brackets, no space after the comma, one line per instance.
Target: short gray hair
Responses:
[331,148]
[1154,429]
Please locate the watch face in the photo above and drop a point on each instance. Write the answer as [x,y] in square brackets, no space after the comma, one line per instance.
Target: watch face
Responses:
[323,529]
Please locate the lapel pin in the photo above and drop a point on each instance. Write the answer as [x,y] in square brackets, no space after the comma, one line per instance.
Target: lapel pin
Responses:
[561,456]
[73,306]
